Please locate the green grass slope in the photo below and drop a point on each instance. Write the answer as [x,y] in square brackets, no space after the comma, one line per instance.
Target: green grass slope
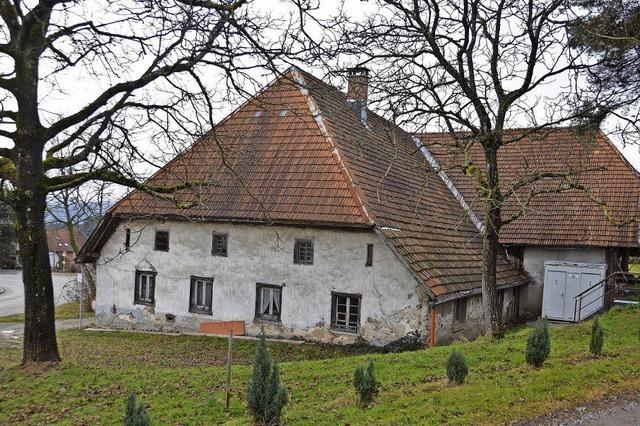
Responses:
[181,379]
[65,311]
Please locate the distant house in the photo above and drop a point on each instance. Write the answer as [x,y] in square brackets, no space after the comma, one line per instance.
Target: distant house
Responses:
[321,220]
[61,255]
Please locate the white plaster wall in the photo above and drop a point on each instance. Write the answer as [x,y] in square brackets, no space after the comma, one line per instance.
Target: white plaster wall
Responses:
[533,263]
[391,305]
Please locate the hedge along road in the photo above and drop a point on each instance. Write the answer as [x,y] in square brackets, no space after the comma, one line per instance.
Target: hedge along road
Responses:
[12,299]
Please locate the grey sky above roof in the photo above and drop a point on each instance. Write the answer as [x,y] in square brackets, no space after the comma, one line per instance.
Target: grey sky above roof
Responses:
[80,87]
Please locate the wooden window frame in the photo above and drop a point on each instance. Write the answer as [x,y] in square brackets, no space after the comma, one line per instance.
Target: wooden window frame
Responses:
[501,302]
[194,309]
[214,247]
[369,261]
[334,306]
[136,288]
[296,252]
[259,317]
[460,310]
[155,240]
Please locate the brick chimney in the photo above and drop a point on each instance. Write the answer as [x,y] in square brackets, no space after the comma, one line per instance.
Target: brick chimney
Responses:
[358,90]
[358,87]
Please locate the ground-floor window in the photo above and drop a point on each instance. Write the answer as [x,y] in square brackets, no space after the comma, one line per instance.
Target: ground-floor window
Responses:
[145,288]
[201,295]
[460,310]
[268,302]
[345,312]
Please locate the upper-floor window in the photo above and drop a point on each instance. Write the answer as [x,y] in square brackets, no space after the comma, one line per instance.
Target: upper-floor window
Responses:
[127,238]
[145,288]
[303,252]
[369,261]
[201,295]
[161,241]
[268,302]
[219,244]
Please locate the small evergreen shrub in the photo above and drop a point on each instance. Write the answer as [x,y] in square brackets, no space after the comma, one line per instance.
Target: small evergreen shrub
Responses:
[538,344]
[365,383]
[457,368]
[135,413]
[597,338]
[266,396]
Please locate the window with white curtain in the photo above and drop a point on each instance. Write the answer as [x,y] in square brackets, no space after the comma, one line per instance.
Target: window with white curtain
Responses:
[201,295]
[145,288]
[268,302]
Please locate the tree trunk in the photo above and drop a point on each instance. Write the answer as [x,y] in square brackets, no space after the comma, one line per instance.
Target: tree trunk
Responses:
[493,205]
[39,313]
[89,283]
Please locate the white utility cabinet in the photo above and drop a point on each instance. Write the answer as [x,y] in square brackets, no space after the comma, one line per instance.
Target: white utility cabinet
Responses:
[563,281]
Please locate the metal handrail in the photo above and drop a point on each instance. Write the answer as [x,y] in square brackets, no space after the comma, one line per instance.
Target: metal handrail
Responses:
[578,307]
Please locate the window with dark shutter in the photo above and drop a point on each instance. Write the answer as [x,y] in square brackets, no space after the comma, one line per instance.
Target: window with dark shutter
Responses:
[303,252]
[127,238]
[369,261]
[268,302]
[345,312]
[201,295]
[460,310]
[161,241]
[145,288]
[219,244]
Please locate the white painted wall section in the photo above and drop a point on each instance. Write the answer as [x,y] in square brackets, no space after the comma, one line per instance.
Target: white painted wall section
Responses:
[391,303]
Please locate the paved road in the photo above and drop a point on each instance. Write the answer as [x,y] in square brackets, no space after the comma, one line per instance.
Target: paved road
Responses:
[12,299]
[618,410]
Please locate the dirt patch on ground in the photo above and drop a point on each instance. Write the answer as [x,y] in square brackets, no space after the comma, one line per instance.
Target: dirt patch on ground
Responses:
[619,410]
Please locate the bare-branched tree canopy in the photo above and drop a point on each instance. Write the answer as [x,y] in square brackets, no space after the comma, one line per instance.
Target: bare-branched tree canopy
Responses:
[610,30]
[122,69]
[473,69]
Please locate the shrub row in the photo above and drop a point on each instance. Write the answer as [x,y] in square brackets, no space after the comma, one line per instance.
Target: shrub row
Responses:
[266,397]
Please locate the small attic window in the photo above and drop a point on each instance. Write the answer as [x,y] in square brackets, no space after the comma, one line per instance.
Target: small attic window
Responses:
[257,114]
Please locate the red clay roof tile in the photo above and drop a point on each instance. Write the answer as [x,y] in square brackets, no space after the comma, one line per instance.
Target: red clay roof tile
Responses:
[568,217]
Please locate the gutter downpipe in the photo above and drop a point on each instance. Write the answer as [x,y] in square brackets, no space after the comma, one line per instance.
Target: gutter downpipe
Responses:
[432,328]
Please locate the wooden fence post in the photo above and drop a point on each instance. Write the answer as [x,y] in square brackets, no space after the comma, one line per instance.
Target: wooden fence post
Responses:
[229,359]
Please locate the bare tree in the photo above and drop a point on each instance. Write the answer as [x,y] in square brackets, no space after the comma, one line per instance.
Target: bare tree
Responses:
[79,209]
[610,31]
[473,68]
[157,69]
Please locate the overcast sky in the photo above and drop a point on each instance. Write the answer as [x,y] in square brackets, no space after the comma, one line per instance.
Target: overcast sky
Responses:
[81,88]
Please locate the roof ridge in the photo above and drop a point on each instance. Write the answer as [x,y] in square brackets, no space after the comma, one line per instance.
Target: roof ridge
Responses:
[316,113]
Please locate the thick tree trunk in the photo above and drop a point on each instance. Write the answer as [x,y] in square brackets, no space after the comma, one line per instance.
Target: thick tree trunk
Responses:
[39,314]
[493,205]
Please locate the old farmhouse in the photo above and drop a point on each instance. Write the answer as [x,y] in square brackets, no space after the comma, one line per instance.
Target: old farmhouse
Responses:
[314,217]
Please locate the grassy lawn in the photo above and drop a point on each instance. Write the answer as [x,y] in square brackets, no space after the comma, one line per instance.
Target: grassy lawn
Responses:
[181,379]
[64,311]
